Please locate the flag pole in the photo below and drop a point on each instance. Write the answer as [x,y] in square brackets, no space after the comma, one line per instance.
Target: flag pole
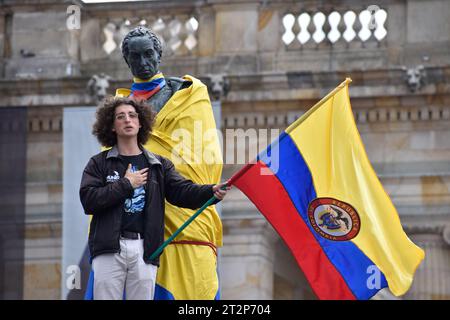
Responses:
[188,221]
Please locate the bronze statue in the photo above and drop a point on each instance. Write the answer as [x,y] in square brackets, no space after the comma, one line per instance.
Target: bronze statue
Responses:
[142,52]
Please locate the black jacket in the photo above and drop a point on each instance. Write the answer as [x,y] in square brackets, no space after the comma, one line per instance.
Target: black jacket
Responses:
[104,190]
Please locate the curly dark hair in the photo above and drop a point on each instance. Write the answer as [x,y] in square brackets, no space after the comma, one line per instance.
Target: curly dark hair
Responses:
[141,32]
[105,115]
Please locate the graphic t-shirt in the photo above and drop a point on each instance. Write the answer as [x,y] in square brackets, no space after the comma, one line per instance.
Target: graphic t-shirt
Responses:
[133,210]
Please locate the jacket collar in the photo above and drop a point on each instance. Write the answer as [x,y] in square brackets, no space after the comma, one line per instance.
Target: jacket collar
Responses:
[114,153]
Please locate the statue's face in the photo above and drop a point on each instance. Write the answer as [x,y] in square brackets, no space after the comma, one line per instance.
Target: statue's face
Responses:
[142,58]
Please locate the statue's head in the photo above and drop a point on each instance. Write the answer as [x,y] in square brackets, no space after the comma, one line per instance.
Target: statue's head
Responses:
[142,51]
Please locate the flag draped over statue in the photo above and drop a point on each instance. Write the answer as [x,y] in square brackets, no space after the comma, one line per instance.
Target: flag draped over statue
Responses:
[185,132]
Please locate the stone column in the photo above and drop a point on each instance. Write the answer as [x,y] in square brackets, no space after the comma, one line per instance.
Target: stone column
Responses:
[5,39]
[236,28]
[246,266]
[2,41]
[236,37]
[432,279]
[42,46]
[206,38]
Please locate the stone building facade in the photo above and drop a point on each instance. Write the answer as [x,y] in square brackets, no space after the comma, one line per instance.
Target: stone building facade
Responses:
[278,58]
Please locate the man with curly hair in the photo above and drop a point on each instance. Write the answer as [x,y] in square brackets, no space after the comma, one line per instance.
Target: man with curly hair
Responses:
[124,189]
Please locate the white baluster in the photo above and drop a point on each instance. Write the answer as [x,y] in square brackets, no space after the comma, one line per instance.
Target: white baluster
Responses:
[349,19]
[288,23]
[319,20]
[333,19]
[380,17]
[303,21]
[365,33]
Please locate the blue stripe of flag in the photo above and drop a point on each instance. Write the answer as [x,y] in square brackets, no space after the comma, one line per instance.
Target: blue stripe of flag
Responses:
[148,86]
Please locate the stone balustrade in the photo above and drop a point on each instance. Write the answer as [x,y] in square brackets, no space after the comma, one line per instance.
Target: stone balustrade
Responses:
[310,29]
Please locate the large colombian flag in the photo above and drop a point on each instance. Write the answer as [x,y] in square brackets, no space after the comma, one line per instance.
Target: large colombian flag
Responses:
[317,188]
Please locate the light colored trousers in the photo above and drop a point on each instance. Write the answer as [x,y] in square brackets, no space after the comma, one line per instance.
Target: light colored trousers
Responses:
[116,272]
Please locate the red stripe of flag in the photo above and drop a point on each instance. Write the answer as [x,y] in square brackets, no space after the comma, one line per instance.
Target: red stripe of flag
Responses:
[272,200]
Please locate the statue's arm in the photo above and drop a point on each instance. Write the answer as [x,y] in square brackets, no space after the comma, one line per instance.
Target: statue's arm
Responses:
[159,100]
[178,83]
